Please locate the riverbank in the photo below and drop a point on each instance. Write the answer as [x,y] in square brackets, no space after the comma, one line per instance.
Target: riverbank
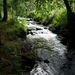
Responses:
[11,36]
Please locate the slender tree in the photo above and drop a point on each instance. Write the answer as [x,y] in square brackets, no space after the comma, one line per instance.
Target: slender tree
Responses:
[5,10]
[71,25]
[0,15]
[70,14]
[0,34]
[67,6]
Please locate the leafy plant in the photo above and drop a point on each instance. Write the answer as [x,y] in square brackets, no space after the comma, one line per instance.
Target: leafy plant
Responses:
[10,59]
[11,46]
[14,29]
[60,18]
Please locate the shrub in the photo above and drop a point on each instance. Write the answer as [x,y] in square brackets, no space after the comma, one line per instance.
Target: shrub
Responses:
[60,18]
[10,49]
[14,29]
[10,57]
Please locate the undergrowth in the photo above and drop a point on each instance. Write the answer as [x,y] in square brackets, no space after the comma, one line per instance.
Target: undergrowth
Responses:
[60,18]
[10,46]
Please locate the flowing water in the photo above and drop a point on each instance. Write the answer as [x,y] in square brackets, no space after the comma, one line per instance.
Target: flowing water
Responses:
[47,48]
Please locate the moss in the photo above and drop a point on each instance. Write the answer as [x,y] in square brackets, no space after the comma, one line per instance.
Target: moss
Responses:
[10,49]
[12,29]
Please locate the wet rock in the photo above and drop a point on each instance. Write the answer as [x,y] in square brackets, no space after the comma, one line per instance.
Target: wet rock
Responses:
[27,63]
[46,61]
[46,28]
[22,35]
[32,33]
[38,29]
[69,56]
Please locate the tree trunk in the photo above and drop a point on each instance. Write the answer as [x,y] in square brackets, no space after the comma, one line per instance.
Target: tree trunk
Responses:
[0,29]
[5,10]
[70,14]
[0,15]
[70,26]
[0,37]
[67,6]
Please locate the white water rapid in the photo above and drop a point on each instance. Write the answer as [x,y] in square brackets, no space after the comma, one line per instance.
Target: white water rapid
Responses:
[47,48]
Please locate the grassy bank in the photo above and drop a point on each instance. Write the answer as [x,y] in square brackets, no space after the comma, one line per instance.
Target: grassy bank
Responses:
[11,33]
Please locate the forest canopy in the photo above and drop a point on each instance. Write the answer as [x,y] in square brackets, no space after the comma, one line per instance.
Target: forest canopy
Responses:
[25,7]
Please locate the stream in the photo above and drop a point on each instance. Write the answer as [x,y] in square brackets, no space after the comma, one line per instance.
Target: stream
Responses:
[47,48]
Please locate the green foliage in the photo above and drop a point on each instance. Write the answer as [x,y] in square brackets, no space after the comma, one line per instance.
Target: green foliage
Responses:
[40,16]
[60,18]
[44,10]
[10,59]
[13,29]
[10,49]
